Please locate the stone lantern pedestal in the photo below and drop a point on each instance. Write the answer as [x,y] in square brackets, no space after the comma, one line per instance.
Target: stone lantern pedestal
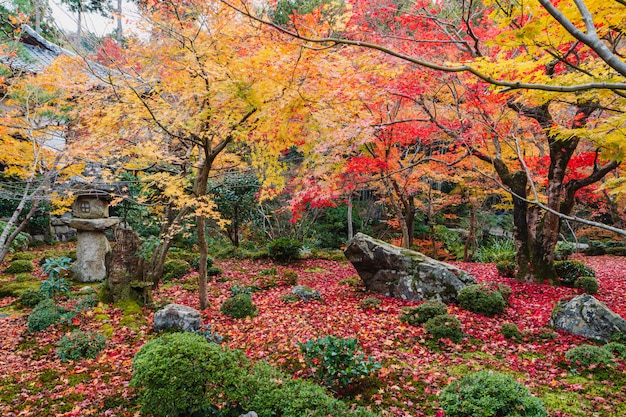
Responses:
[91,220]
[92,247]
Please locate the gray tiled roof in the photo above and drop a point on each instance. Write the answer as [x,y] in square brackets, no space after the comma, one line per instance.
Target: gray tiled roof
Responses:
[38,53]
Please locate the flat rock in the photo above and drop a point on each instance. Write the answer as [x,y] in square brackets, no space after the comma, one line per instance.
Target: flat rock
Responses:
[94,225]
[403,273]
[176,316]
[585,316]
[305,293]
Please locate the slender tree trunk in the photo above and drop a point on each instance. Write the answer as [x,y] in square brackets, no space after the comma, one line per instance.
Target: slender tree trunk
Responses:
[38,7]
[349,218]
[118,32]
[470,235]
[200,188]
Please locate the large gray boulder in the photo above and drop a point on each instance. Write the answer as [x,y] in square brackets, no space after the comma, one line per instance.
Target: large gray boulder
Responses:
[403,273]
[176,316]
[585,316]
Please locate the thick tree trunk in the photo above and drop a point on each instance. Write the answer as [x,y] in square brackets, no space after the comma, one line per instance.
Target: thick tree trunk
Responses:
[349,219]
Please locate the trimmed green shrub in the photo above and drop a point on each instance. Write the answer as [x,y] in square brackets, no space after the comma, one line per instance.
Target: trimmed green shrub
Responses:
[30,298]
[588,285]
[337,362]
[487,394]
[423,312]
[369,303]
[270,392]
[174,269]
[80,345]
[268,272]
[19,266]
[24,276]
[588,358]
[506,269]
[445,326]
[195,262]
[284,249]
[213,271]
[569,271]
[486,299]
[44,315]
[180,374]
[617,349]
[290,277]
[22,256]
[239,306]
[511,331]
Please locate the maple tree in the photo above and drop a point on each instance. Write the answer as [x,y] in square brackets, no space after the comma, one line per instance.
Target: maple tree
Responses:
[570,89]
[34,151]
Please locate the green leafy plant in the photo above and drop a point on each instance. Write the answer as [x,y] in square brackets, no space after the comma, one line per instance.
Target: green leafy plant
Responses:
[445,326]
[495,251]
[54,286]
[209,335]
[80,345]
[487,394]
[181,374]
[56,267]
[485,299]
[369,303]
[423,312]
[284,249]
[506,269]
[511,331]
[588,285]
[569,271]
[44,315]
[20,266]
[20,242]
[588,358]
[336,362]
[239,306]
[174,269]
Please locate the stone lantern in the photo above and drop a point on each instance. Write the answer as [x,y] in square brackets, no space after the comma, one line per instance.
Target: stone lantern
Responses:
[90,218]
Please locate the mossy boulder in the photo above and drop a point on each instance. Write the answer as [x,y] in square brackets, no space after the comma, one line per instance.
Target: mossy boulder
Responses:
[403,273]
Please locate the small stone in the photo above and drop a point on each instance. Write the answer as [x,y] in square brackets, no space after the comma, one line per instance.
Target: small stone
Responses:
[176,316]
[305,293]
[249,414]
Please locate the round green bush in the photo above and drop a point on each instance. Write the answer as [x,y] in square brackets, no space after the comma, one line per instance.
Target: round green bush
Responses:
[284,249]
[195,262]
[423,312]
[30,298]
[482,299]
[44,315]
[445,326]
[588,358]
[487,394]
[506,269]
[24,276]
[290,277]
[80,345]
[617,349]
[174,269]
[19,266]
[511,331]
[588,285]
[569,271]
[369,303]
[239,306]
[180,374]
[25,256]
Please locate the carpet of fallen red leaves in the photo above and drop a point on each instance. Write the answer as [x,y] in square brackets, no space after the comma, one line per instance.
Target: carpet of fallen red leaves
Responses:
[34,382]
